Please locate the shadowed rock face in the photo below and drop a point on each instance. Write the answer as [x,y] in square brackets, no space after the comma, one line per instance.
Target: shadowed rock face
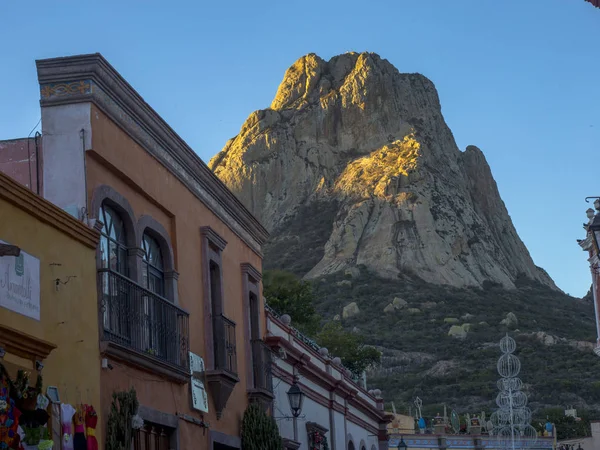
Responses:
[353,164]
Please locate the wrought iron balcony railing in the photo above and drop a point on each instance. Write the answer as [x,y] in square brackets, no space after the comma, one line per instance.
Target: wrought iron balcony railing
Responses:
[261,364]
[137,318]
[224,343]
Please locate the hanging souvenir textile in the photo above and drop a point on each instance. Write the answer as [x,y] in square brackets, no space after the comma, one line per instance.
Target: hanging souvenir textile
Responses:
[21,434]
[9,414]
[79,441]
[91,420]
[67,412]
[46,444]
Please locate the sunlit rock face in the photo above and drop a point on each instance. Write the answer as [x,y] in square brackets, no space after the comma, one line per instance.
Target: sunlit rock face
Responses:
[353,164]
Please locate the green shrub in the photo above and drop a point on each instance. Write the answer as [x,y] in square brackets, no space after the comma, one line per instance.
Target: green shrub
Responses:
[259,431]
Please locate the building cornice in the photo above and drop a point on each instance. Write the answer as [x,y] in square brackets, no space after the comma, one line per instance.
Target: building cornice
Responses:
[309,369]
[361,423]
[586,244]
[90,78]
[362,405]
[47,212]
[294,355]
[251,271]
[352,386]
[214,237]
[376,415]
[24,345]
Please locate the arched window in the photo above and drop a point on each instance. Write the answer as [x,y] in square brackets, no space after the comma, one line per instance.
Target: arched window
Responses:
[153,275]
[350,445]
[113,241]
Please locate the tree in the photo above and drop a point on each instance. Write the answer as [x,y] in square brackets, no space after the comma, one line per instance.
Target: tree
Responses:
[119,430]
[567,427]
[287,294]
[355,355]
[259,431]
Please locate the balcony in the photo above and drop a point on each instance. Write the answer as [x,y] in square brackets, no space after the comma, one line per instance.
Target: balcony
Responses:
[143,327]
[262,391]
[225,346]
[261,364]
[223,377]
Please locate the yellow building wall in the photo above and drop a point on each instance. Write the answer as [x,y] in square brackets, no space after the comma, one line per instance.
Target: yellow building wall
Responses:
[401,424]
[68,316]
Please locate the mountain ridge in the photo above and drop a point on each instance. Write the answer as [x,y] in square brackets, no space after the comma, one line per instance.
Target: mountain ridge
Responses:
[353,164]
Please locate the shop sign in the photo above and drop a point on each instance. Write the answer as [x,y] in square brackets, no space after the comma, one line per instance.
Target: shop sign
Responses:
[20,284]
[199,396]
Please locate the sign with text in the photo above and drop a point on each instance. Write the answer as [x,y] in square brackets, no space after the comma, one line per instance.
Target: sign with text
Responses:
[20,284]
[199,397]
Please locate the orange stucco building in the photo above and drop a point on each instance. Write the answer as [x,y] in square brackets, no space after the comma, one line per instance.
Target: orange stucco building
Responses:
[180,313]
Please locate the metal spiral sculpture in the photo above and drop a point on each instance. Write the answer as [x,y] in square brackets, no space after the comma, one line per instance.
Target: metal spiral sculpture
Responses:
[512,421]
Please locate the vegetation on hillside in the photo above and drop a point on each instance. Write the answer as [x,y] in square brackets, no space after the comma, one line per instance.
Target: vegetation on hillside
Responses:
[420,359]
[287,294]
[350,347]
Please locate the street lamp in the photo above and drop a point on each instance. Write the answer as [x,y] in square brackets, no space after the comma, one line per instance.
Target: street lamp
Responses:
[402,445]
[296,398]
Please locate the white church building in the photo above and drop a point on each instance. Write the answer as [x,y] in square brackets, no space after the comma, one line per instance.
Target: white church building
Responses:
[317,404]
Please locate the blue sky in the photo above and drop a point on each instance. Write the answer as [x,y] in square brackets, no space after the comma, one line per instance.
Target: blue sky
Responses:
[518,78]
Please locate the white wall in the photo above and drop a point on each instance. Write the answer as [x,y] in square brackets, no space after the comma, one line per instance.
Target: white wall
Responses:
[281,408]
[63,155]
[359,435]
[340,430]
[313,411]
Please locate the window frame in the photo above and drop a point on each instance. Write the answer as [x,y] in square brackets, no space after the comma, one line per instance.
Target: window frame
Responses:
[213,246]
[251,279]
[162,419]
[150,226]
[120,241]
[149,269]
[105,194]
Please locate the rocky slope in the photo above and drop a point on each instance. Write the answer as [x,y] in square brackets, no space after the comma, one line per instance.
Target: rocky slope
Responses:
[353,164]
[441,343]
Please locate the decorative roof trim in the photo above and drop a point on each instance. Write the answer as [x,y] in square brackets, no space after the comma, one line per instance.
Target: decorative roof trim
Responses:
[251,271]
[308,350]
[586,244]
[47,212]
[213,237]
[90,78]
[314,426]
[23,344]
[324,380]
